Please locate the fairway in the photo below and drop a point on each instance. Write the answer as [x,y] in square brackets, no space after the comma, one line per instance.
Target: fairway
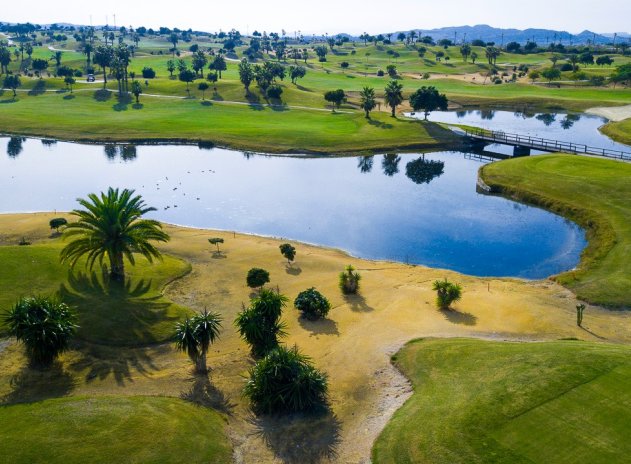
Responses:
[592,192]
[106,429]
[480,402]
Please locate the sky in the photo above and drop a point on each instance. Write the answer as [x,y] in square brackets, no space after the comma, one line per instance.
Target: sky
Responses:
[330,16]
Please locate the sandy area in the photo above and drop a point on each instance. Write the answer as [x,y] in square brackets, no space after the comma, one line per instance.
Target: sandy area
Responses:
[353,345]
[613,113]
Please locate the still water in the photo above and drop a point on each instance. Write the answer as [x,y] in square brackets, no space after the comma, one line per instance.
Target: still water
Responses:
[409,208]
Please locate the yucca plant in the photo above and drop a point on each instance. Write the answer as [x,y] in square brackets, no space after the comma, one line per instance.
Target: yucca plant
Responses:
[44,325]
[285,381]
[446,293]
[349,280]
[111,227]
[195,335]
[259,324]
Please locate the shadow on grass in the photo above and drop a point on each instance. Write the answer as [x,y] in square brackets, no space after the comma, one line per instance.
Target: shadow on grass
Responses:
[37,384]
[593,333]
[123,102]
[358,303]
[319,326]
[38,89]
[70,96]
[206,103]
[301,439]
[293,270]
[380,124]
[123,365]
[137,106]
[217,96]
[304,89]
[115,313]
[456,317]
[204,393]
[12,100]
[219,255]
[102,95]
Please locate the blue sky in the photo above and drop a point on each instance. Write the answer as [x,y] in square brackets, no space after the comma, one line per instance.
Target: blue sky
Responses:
[332,16]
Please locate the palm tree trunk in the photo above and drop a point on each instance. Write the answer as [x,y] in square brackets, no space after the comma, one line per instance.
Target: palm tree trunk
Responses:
[117,267]
[200,363]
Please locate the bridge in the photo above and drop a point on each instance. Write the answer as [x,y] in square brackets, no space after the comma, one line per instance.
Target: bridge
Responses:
[524,143]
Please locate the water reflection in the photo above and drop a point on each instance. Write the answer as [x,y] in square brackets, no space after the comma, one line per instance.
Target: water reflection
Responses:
[546,118]
[487,115]
[390,164]
[364,163]
[422,171]
[568,121]
[48,142]
[14,147]
[126,152]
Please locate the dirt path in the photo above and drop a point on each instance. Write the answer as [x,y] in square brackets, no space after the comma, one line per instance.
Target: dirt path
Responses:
[353,346]
[613,113]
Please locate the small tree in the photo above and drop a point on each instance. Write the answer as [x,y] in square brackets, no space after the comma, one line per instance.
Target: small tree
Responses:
[69,81]
[257,277]
[391,70]
[551,74]
[285,381]
[368,100]
[203,86]
[312,303]
[337,97]
[12,81]
[187,76]
[56,223]
[171,67]
[218,64]
[446,293]
[259,324]
[534,75]
[44,325]
[136,89]
[428,99]
[195,335]
[288,251]
[580,308]
[393,95]
[215,241]
[246,74]
[349,280]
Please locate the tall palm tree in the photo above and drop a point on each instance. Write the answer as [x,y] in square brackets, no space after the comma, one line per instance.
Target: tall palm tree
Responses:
[368,100]
[111,227]
[194,337]
[393,95]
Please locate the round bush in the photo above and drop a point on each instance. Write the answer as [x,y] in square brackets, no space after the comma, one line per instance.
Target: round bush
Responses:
[286,381]
[312,303]
[148,73]
[257,277]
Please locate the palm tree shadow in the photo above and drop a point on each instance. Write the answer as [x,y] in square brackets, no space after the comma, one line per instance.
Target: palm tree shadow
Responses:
[204,393]
[457,317]
[111,310]
[300,439]
[380,124]
[358,303]
[36,384]
[102,95]
[103,362]
[593,333]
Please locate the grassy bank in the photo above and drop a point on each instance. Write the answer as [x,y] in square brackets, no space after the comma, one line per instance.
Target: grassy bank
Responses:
[100,116]
[112,429]
[594,193]
[620,131]
[481,402]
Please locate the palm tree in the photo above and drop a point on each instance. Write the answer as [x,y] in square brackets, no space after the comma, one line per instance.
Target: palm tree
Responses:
[195,335]
[368,100]
[446,293]
[111,227]
[349,280]
[393,95]
[44,325]
[259,324]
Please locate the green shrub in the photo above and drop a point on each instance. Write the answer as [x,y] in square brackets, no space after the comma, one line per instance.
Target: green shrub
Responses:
[44,325]
[446,293]
[285,381]
[349,280]
[259,324]
[312,303]
[56,223]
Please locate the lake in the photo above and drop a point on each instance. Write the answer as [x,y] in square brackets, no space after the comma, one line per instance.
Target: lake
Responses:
[409,208]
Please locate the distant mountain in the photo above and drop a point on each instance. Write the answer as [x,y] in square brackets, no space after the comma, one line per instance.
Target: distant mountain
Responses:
[497,35]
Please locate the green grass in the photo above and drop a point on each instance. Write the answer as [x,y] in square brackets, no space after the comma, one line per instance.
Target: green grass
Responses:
[619,131]
[496,402]
[133,314]
[275,130]
[112,429]
[594,193]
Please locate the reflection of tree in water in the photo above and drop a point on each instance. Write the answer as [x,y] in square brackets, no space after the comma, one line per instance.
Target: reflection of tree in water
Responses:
[461,114]
[422,171]
[568,121]
[364,163]
[546,118]
[487,114]
[390,164]
[126,152]
[202,145]
[14,147]
[49,142]
[524,114]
